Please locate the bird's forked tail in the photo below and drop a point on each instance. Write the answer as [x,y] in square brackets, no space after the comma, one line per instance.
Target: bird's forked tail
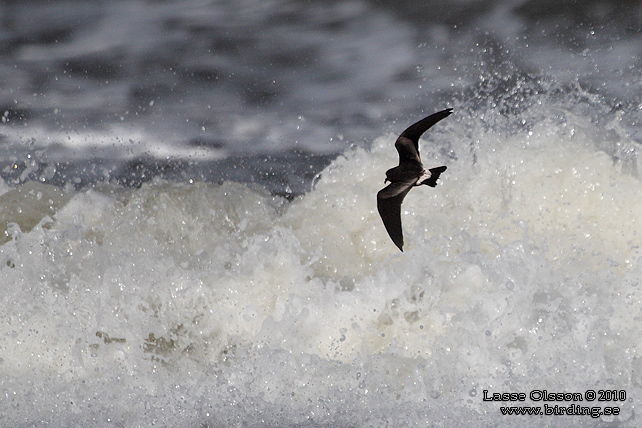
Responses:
[434,176]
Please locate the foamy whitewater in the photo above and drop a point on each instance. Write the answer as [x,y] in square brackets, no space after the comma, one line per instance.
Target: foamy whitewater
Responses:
[220,305]
[149,280]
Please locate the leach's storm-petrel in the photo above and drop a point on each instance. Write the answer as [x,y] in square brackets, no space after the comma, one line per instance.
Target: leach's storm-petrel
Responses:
[409,173]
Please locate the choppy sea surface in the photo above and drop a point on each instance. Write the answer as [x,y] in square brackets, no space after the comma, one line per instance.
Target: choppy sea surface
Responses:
[188,231]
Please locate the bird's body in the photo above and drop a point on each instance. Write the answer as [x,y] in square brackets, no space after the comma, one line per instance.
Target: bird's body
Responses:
[409,173]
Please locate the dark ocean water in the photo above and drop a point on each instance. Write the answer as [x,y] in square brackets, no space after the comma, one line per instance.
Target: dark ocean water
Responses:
[129,90]
[188,225]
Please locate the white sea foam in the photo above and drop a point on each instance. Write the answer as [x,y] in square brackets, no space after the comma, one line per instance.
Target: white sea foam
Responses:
[221,305]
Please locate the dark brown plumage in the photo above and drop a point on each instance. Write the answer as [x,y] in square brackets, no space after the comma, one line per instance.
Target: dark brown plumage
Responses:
[410,172]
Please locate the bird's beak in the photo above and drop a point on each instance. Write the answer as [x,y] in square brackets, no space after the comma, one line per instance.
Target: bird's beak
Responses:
[385,181]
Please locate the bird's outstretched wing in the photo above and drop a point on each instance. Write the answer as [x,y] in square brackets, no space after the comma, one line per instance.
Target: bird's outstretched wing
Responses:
[416,130]
[389,201]
[408,154]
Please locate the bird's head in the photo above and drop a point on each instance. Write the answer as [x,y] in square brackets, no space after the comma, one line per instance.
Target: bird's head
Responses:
[388,174]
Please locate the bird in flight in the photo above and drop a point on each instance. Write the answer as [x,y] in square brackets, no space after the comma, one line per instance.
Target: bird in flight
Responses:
[409,173]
